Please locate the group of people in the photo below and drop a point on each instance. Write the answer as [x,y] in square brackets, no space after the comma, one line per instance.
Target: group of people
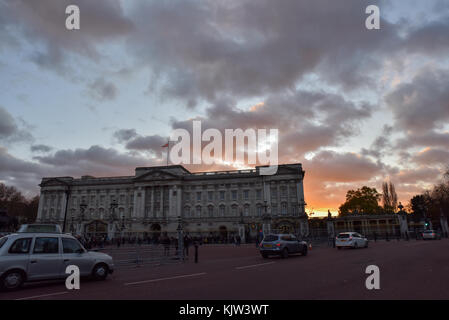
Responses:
[167,241]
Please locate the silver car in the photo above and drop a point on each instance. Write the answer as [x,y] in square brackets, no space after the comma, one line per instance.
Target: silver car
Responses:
[282,244]
[44,256]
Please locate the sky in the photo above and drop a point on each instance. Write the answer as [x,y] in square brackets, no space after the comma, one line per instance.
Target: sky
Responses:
[354,106]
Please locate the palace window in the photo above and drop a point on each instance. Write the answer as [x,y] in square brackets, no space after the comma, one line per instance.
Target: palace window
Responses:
[246,194]
[222,195]
[284,208]
[258,194]
[210,195]
[246,211]
[198,211]
[210,211]
[234,194]
[198,196]
[222,211]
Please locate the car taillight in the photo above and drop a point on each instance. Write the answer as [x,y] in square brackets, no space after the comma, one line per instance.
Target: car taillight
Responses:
[278,244]
[350,238]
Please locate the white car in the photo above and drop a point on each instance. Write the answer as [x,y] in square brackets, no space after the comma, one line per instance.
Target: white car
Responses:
[351,240]
[431,234]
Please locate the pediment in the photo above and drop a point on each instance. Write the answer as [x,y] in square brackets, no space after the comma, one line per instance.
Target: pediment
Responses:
[50,182]
[157,175]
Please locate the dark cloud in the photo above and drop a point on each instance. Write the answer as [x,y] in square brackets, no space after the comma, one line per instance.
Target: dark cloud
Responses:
[430,38]
[431,156]
[94,159]
[416,175]
[213,48]
[10,131]
[123,135]
[43,22]
[381,145]
[23,174]
[151,144]
[329,166]
[429,138]
[101,89]
[306,120]
[422,104]
[40,148]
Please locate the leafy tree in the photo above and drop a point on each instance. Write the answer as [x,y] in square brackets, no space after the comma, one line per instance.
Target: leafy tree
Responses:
[361,201]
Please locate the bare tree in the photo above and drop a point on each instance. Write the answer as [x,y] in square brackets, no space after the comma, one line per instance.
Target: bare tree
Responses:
[389,197]
[393,196]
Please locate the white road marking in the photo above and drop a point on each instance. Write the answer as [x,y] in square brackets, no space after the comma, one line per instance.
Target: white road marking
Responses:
[255,265]
[43,295]
[169,278]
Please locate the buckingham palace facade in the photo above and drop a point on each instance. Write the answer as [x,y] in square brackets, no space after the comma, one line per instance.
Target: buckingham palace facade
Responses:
[160,199]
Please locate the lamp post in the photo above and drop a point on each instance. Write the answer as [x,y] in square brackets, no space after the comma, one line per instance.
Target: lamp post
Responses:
[83,207]
[266,219]
[180,239]
[67,197]
[112,216]
[72,224]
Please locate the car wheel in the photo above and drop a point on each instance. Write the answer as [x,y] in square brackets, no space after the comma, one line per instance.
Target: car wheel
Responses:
[100,271]
[355,246]
[339,248]
[304,251]
[264,255]
[12,280]
[285,253]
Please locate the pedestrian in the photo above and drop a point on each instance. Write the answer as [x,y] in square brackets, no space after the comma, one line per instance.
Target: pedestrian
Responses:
[187,242]
[165,240]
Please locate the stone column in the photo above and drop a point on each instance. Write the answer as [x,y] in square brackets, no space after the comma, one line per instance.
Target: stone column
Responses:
[403,225]
[330,228]
[63,206]
[141,213]
[152,202]
[111,230]
[242,233]
[161,208]
[41,207]
[179,202]
[303,226]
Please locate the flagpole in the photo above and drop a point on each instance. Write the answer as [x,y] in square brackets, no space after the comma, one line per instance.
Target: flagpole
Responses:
[168,149]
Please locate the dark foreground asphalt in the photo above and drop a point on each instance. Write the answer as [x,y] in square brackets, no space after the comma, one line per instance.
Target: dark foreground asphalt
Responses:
[408,270]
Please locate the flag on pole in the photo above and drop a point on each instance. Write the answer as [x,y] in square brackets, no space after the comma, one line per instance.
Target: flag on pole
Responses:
[167,145]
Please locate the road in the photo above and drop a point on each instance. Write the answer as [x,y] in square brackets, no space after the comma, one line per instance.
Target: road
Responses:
[408,270]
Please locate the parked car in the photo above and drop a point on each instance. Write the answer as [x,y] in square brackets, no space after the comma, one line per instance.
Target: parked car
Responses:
[431,234]
[282,244]
[351,240]
[43,256]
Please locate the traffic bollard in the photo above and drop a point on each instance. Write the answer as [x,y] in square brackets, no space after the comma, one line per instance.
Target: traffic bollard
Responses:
[196,253]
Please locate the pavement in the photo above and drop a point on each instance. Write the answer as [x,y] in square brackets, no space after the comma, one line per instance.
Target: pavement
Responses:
[408,270]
